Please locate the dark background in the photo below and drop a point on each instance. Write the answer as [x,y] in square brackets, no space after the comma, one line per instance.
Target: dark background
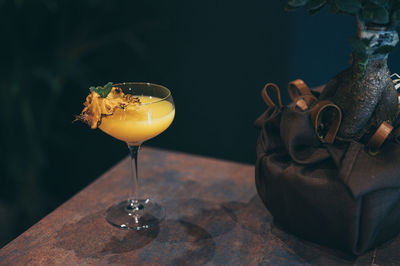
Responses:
[215,56]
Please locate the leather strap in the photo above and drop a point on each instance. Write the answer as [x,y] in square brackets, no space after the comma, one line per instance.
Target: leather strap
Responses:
[316,115]
[380,135]
[303,99]
[266,97]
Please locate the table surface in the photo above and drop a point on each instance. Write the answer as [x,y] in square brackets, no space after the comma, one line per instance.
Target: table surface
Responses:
[214,216]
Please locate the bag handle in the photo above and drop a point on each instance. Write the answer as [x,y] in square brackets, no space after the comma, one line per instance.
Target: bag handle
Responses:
[268,99]
[316,115]
[380,135]
[303,99]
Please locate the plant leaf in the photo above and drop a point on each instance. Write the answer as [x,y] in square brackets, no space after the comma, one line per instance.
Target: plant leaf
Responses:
[333,7]
[385,49]
[297,3]
[348,6]
[379,2]
[396,17]
[363,67]
[367,42]
[102,91]
[314,6]
[359,48]
[375,14]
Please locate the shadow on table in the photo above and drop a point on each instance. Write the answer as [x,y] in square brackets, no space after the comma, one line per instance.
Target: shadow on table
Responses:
[187,236]
[214,217]
[185,243]
[93,237]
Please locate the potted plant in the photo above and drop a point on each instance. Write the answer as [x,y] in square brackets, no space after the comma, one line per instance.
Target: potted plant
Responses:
[364,91]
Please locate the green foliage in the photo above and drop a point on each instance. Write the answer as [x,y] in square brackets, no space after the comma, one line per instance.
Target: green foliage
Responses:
[102,91]
[385,49]
[333,8]
[313,6]
[380,13]
[395,18]
[348,6]
[375,12]
[360,47]
[363,67]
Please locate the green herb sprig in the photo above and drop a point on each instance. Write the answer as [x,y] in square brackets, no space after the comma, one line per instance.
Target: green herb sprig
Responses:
[102,91]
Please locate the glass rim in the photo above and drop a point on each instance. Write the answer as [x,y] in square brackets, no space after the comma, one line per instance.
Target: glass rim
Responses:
[148,84]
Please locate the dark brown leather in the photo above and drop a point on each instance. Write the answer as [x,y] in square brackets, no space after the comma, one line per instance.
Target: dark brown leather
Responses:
[305,98]
[380,135]
[316,115]
[333,194]
[267,98]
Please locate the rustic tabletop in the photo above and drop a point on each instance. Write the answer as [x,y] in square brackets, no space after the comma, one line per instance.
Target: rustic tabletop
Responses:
[214,216]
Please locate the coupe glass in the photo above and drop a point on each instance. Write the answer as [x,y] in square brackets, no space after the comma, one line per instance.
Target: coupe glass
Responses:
[135,124]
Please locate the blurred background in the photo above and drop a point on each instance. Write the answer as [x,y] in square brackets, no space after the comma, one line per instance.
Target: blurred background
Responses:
[214,55]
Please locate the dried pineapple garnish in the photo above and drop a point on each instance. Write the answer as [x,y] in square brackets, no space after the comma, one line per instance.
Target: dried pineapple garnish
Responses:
[102,101]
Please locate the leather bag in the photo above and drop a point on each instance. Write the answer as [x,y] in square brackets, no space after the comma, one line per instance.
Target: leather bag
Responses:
[330,191]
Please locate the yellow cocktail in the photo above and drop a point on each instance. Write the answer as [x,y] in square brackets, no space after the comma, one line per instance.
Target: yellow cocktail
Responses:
[137,123]
[132,112]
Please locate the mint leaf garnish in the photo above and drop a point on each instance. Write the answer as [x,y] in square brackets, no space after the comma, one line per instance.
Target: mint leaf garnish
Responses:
[102,91]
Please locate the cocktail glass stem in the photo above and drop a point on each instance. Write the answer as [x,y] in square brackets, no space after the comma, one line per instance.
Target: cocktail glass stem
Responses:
[134,204]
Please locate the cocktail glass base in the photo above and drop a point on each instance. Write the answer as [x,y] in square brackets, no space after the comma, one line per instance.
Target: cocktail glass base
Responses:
[135,214]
